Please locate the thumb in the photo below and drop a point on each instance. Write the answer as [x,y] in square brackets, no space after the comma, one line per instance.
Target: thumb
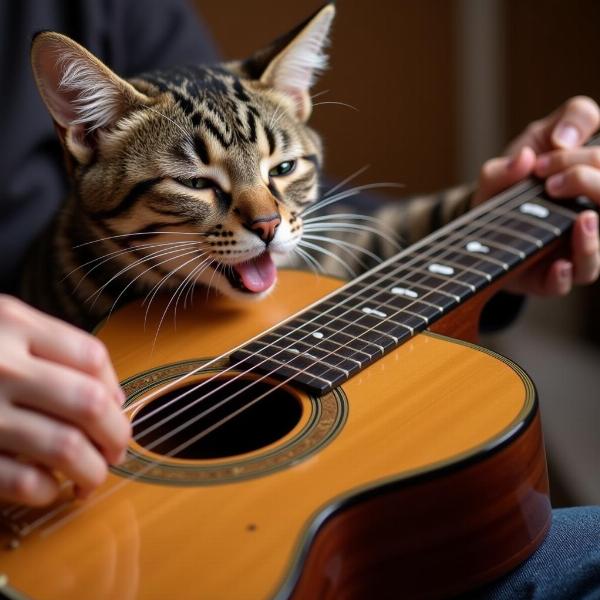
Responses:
[499,174]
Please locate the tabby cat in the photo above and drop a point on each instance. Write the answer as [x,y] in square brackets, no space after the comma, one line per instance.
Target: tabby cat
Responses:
[189,176]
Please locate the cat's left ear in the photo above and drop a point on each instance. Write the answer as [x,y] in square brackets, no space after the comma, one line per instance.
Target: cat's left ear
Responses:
[82,94]
[291,63]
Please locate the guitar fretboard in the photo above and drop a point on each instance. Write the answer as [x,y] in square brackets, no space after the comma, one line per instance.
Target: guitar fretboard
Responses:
[335,338]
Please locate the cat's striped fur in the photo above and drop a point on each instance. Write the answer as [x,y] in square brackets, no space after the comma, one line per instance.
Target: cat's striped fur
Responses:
[189,176]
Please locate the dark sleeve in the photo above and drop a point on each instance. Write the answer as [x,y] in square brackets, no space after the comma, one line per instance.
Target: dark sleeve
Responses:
[158,33]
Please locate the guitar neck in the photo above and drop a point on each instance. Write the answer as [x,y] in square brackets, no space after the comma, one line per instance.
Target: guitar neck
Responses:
[332,340]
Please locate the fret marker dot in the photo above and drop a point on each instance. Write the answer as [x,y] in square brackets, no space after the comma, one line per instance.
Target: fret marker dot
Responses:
[374,312]
[404,292]
[294,350]
[477,247]
[529,208]
[441,269]
[318,335]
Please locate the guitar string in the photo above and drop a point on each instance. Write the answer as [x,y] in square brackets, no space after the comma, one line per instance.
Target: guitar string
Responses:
[433,248]
[455,224]
[592,141]
[293,376]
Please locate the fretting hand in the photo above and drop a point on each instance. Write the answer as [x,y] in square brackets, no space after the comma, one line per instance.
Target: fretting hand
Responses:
[551,149]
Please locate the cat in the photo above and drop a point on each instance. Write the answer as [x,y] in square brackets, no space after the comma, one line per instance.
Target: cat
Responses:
[194,175]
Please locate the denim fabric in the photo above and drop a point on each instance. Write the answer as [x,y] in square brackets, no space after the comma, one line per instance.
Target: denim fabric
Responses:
[565,567]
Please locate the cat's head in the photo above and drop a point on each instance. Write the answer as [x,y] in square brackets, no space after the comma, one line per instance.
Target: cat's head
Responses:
[221,155]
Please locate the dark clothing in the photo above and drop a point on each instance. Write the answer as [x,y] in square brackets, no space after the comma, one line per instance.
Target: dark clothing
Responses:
[129,35]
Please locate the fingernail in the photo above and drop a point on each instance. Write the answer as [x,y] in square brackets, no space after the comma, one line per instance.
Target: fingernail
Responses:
[565,272]
[556,182]
[590,224]
[543,164]
[567,135]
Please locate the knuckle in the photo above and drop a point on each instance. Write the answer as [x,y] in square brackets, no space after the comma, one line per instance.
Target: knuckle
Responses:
[96,353]
[68,445]
[23,485]
[93,401]
[583,105]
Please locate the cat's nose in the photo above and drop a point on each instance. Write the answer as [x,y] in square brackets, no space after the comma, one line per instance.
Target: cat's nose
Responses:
[265,227]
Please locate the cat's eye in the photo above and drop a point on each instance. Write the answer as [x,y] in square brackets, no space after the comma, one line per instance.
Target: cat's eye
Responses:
[198,183]
[283,168]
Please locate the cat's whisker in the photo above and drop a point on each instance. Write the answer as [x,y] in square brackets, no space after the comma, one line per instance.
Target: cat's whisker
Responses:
[129,284]
[339,103]
[312,263]
[347,245]
[318,94]
[189,280]
[117,253]
[348,179]
[349,228]
[381,224]
[136,263]
[173,296]
[215,271]
[333,256]
[348,193]
[186,134]
[122,235]
[192,289]
[156,288]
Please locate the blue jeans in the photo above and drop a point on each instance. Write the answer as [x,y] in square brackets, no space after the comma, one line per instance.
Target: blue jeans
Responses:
[565,567]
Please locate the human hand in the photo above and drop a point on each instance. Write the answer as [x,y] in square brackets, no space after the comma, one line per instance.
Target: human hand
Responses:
[60,407]
[551,148]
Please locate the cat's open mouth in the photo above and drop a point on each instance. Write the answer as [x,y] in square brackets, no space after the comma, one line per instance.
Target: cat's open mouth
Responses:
[253,276]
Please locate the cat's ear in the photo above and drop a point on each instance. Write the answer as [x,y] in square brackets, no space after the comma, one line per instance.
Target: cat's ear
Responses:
[82,94]
[291,64]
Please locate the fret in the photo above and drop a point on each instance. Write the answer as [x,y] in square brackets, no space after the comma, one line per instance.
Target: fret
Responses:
[467,278]
[538,235]
[327,343]
[443,256]
[488,266]
[409,291]
[451,290]
[322,347]
[559,216]
[366,326]
[338,360]
[284,368]
[385,298]
[533,220]
[367,345]
[330,336]
[511,238]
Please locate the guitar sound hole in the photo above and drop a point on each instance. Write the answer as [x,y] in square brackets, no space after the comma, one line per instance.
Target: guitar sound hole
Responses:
[206,428]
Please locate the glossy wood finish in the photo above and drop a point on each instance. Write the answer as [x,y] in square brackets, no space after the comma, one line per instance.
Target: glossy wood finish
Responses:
[417,416]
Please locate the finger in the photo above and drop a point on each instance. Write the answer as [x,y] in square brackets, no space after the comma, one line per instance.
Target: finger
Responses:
[574,122]
[586,248]
[498,174]
[53,445]
[560,160]
[26,484]
[580,180]
[60,342]
[78,399]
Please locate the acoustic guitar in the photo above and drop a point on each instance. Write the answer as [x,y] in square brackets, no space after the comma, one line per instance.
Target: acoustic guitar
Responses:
[334,441]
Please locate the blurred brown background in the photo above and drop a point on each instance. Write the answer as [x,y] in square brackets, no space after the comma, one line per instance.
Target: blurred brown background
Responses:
[439,86]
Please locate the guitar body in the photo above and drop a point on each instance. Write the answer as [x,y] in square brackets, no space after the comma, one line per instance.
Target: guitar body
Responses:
[422,476]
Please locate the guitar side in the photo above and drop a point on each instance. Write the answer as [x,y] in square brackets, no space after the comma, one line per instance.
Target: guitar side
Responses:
[426,475]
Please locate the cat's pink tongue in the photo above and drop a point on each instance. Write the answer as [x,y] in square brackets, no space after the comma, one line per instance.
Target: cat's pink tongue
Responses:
[259,273]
